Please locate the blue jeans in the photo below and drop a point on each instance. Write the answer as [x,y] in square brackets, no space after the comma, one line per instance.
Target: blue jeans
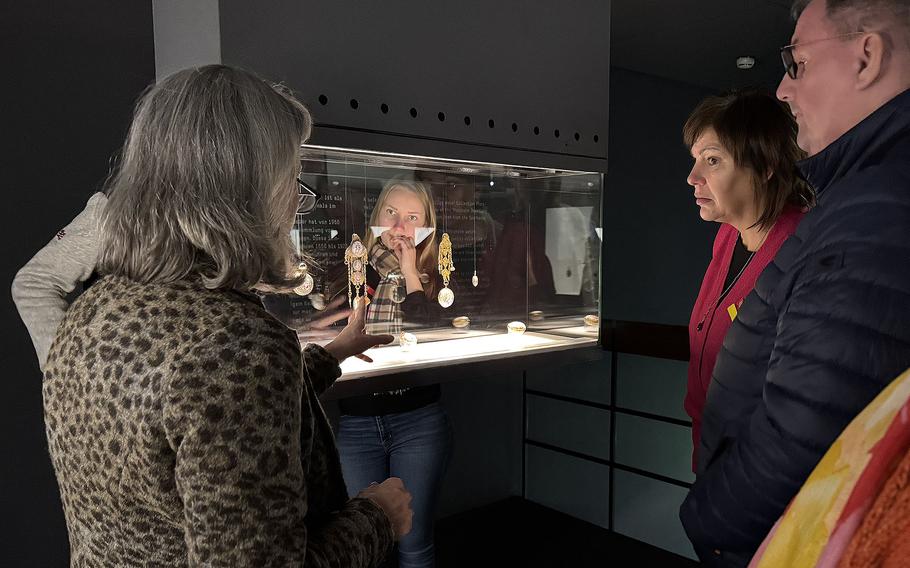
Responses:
[411,445]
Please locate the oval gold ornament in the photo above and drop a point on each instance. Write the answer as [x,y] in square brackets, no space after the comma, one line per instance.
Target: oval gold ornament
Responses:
[407,341]
[446,297]
[306,287]
[516,328]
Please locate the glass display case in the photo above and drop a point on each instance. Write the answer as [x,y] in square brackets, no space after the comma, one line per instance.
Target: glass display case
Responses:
[462,261]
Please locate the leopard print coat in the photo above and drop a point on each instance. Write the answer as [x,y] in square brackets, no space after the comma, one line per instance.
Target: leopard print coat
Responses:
[184,431]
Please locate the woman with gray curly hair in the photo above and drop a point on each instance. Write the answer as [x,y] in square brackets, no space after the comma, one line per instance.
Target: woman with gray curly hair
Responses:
[183,420]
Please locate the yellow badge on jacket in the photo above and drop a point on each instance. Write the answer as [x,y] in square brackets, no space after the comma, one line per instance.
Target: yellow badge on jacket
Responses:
[731,310]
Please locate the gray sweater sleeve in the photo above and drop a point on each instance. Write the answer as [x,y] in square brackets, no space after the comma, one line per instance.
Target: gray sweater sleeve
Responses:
[41,286]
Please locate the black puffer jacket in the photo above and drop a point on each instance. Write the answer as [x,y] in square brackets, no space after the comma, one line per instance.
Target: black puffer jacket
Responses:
[826,328]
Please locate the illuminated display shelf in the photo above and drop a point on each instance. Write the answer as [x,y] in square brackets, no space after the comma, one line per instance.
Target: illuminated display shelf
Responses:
[391,359]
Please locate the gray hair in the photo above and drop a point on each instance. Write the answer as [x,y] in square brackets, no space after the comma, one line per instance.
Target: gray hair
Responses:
[862,15]
[206,184]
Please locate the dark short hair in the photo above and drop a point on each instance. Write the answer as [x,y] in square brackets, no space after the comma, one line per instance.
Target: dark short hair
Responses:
[861,15]
[760,133]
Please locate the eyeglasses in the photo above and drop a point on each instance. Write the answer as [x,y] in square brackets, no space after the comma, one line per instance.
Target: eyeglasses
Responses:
[307,198]
[791,65]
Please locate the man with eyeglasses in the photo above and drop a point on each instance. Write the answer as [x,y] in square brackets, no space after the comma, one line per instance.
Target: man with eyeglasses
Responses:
[828,324]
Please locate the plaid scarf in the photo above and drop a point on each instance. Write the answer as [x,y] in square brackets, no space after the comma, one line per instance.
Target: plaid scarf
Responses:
[383,315]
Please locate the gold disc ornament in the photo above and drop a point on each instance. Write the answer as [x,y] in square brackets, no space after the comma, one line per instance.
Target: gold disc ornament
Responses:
[355,258]
[446,296]
[407,341]
[306,287]
[516,328]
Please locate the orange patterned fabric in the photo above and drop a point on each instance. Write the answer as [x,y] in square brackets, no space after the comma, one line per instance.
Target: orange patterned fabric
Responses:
[854,508]
[883,538]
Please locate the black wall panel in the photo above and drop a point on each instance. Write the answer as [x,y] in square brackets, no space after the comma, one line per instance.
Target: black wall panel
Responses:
[72,71]
[507,67]
[656,247]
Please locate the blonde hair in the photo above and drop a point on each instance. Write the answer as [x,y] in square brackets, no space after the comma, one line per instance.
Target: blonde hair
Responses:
[426,251]
[206,184]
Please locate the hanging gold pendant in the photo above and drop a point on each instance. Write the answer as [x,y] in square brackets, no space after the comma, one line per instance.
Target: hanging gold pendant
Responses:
[306,287]
[355,258]
[446,296]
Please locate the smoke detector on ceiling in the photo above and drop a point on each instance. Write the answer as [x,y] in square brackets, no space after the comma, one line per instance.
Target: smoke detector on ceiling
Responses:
[745,62]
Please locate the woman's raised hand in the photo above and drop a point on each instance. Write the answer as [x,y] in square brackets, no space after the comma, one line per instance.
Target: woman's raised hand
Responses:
[353,339]
[406,251]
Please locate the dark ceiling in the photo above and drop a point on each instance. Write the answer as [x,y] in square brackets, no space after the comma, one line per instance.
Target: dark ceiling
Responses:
[698,41]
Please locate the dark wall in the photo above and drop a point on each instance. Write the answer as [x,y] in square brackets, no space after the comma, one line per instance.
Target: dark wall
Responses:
[656,247]
[512,62]
[72,72]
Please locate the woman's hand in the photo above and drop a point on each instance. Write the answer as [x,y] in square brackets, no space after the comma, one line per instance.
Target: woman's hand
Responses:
[320,328]
[353,339]
[406,252]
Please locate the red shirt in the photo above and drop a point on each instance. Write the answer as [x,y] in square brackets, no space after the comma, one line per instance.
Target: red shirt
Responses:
[712,315]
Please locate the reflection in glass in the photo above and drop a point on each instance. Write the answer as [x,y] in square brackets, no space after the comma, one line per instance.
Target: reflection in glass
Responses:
[526,244]
[399,289]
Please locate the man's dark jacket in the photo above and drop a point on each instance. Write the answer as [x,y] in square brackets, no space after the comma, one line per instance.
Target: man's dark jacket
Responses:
[825,330]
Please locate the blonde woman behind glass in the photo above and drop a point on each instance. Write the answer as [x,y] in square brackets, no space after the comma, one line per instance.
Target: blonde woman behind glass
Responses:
[403,433]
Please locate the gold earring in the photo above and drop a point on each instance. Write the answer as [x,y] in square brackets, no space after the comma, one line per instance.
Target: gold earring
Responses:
[445,297]
[355,258]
